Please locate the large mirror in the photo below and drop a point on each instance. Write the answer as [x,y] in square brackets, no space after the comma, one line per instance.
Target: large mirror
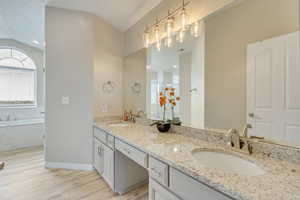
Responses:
[243,70]
[180,69]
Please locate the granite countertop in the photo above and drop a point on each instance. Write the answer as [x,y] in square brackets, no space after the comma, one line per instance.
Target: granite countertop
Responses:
[280,182]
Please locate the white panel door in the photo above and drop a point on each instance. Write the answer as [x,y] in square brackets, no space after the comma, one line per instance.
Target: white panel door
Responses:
[273,89]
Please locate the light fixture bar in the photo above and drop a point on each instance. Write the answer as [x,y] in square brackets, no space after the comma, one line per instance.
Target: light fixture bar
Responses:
[171,14]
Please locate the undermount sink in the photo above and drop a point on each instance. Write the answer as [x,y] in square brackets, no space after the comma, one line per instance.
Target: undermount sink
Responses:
[227,162]
[118,124]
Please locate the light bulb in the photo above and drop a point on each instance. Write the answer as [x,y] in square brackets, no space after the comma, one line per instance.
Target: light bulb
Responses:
[169,30]
[184,19]
[156,33]
[169,26]
[181,36]
[169,41]
[158,46]
[146,39]
[197,28]
[157,37]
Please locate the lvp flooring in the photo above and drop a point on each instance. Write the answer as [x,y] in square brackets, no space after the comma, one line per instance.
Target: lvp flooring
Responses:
[24,177]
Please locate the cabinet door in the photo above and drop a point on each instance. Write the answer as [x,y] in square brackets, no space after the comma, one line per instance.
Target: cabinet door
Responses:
[108,171]
[98,156]
[158,192]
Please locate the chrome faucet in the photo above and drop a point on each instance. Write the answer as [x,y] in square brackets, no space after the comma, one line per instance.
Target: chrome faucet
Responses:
[238,142]
[132,117]
[245,130]
[140,113]
[234,138]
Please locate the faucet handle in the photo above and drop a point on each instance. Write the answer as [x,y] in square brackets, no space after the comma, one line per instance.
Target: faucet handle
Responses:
[245,130]
[234,136]
[232,131]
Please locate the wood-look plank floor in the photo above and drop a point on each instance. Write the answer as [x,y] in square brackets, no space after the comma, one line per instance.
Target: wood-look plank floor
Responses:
[25,178]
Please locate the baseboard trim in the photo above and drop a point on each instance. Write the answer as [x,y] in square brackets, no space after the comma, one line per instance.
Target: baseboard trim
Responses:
[130,188]
[74,166]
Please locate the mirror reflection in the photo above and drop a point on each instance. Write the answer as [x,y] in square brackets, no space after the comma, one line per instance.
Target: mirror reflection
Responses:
[180,70]
[242,72]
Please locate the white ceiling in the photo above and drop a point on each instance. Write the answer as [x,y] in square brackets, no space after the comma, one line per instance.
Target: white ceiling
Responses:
[22,20]
[122,14]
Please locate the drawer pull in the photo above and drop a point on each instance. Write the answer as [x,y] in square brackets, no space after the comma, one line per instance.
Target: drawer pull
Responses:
[156,172]
[100,151]
[128,151]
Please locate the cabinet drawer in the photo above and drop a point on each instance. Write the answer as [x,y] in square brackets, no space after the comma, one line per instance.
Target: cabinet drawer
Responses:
[111,141]
[159,171]
[101,135]
[188,188]
[132,152]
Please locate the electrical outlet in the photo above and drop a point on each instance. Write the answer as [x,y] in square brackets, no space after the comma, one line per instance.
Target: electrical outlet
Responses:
[104,108]
[65,100]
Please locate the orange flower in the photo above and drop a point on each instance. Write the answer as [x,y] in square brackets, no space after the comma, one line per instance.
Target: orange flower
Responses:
[172,93]
[162,101]
[178,98]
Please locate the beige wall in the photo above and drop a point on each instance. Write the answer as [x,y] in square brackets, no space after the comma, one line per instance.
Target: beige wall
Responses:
[185,63]
[82,52]
[108,66]
[197,10]
[69,62]
[227,36]
[135,71]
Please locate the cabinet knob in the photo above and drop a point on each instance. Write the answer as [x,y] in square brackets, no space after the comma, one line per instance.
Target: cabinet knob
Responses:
[128,151]
[251,115]
[156,172]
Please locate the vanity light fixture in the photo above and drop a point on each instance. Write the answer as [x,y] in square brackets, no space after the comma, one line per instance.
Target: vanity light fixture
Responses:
[183,27]
[146,38]
[181,36]
[169,29]
[196,28]
[184,17]
[157,36]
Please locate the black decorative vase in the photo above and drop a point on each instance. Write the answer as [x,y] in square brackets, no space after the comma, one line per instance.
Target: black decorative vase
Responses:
[163,127]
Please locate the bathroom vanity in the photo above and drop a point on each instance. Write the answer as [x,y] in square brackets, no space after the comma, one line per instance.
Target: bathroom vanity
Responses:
[124,166]
[129,155]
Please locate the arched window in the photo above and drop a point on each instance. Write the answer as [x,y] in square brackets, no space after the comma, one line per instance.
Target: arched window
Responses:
[17,77]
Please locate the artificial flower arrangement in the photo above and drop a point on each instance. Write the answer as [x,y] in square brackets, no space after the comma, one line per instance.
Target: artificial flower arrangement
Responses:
[167,96]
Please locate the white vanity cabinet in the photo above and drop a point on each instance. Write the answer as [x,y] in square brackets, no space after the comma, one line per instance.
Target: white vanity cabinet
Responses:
[108,171]
[188,188]
[158,192]
[98,156]
[167,183]
[125,167]
[104,156]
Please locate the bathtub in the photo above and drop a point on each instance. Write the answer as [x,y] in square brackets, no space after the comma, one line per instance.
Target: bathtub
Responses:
[16,134]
